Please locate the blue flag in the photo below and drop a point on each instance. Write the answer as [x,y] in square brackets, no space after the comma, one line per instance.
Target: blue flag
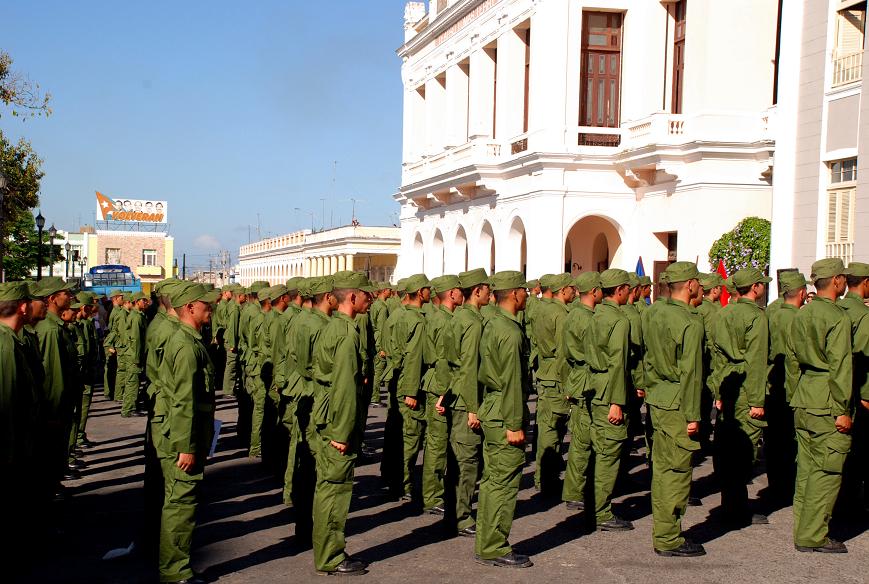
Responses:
[640,271]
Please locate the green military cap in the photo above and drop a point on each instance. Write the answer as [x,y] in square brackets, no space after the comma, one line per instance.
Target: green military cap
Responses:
[682,272]
[209,286]
[416,283]
[87,298]
[633,279]
[159,285]
[14,291]
[473,278]
[545,280]
[532,284]
[556,282]
[645,281]
[76,305]
[172,287]
[52,285]
[858,269]
[116,292]
[140,296]
[748,276]
[293,283]
[348,279]
[790,281]
[507,280]
[613,278]
[664,278]
[711,280]
[263,294]
[274,292]
[828,268]
[444,283]
[400,284]
[587,281]
[255,287]
[320,285]
[192,292]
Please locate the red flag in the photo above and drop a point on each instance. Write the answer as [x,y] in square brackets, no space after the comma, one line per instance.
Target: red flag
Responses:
[725,295]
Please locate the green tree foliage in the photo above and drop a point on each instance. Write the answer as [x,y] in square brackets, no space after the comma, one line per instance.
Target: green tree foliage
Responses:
[22,249]
[19,93]
[746,246]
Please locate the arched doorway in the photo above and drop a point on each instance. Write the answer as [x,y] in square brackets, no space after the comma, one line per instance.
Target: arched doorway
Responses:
[418,255]
[486,248]
[436,258]
[517,246]
[460,251]
[592,244]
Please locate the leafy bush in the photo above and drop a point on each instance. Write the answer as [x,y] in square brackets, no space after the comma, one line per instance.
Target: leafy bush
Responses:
[746,246]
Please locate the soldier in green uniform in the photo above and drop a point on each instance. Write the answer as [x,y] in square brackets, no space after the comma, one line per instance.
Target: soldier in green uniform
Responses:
[741,337]
[463,355]
[340,401]
[636,382]
[553,410]
[229,322]
[112,342]
[578,388]
[134,355]
[379,312]
[645,293]
[256,353]
[18,410]
[708,309]
[393,444]
[607,350]
[248,362]
[436,383]
[673,339]
[779,441]
[91,363]
[853,303]
[408,338]
[819,368]
[504,417]
[272,325]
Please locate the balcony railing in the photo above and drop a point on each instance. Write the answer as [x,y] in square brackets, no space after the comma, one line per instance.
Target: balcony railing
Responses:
[843,251]
[847,68]
[475,151]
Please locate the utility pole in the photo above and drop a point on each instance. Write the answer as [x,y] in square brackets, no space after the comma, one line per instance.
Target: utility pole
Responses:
[184,266]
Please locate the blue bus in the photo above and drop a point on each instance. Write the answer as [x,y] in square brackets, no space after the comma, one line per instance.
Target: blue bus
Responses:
[103,279]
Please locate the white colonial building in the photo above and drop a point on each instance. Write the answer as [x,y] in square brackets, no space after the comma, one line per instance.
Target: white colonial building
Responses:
[372,250]
[821,202]
[551,135]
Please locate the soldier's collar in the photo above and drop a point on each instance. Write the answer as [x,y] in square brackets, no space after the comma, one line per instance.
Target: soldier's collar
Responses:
[190,330]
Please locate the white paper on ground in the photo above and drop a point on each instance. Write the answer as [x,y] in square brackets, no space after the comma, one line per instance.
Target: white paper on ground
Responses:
[119,552]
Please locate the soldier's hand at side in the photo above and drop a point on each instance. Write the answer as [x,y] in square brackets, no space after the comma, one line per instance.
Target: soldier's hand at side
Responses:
[756,413]
[473,421]
[112,351]
[693,428]
[641,393]
[843,424]
[339,446]
[865,403]
[232,350]
[382,354]
[615,416]
[410,402]
[719,405]
[186,461]
[440,409]
[516,438]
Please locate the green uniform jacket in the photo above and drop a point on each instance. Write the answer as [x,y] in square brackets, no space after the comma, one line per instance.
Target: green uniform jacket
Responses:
[117,325]
[366,344]
[245,317]
[135,335]
[184,408]
[780,323]
[159,333]
[305,331]
[255,343]
[34,360]
[819,348]
[59,365]
[742,337]
[858,313]
[635,346]
[17,402]
[337,368]
[607,354]
[378,312]
[271,325]
[231,315]
[93,342]
[463,355]
[408,346]
[673,340]
[502,373]
[574,345]
[218,319]
[285,378]
[708,311]
[438,375]
[547,325]
[386,338]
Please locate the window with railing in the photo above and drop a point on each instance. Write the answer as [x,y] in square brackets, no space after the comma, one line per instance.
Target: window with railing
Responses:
[841,201]
[601,69]
[149,257]
[848,52]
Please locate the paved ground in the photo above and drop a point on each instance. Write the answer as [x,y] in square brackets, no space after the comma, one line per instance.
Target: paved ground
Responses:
[246,534]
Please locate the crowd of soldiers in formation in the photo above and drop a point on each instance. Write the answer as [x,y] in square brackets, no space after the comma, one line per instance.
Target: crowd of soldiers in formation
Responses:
[456,358]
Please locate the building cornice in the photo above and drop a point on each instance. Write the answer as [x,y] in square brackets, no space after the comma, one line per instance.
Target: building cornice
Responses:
[441,23]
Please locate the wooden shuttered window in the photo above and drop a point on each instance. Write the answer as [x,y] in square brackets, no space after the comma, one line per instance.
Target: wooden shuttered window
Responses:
[601,69]
[679,9]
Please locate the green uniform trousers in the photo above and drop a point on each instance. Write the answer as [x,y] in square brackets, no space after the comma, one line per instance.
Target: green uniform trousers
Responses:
[257,392]
[390,462]
[120,375]
[74,424]
[130,382]
[110,370]
[821,454]
[288,422]
[502,472]
[607,441]
[331,504]
[579,453]
[230,373]
[379,370]
[671,476]
[180,493]
[465,444]
[434,461]
[413,425]
[553,415]
[300,476]
[737,444]
[86,398]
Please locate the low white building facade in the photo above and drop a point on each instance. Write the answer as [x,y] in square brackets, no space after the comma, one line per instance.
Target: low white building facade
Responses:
[372,250]
[568,135]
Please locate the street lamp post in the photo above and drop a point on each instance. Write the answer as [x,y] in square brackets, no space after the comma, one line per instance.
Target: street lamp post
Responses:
[74,261]
[52,232]
[2,225]
[66,248]
[40,223]
[82,264]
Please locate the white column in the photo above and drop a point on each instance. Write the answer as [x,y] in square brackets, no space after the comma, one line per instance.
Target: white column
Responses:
[435,106]
[482,93]
[349,262]
[510,91]
[457,104]
[548,86]
[341,263]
